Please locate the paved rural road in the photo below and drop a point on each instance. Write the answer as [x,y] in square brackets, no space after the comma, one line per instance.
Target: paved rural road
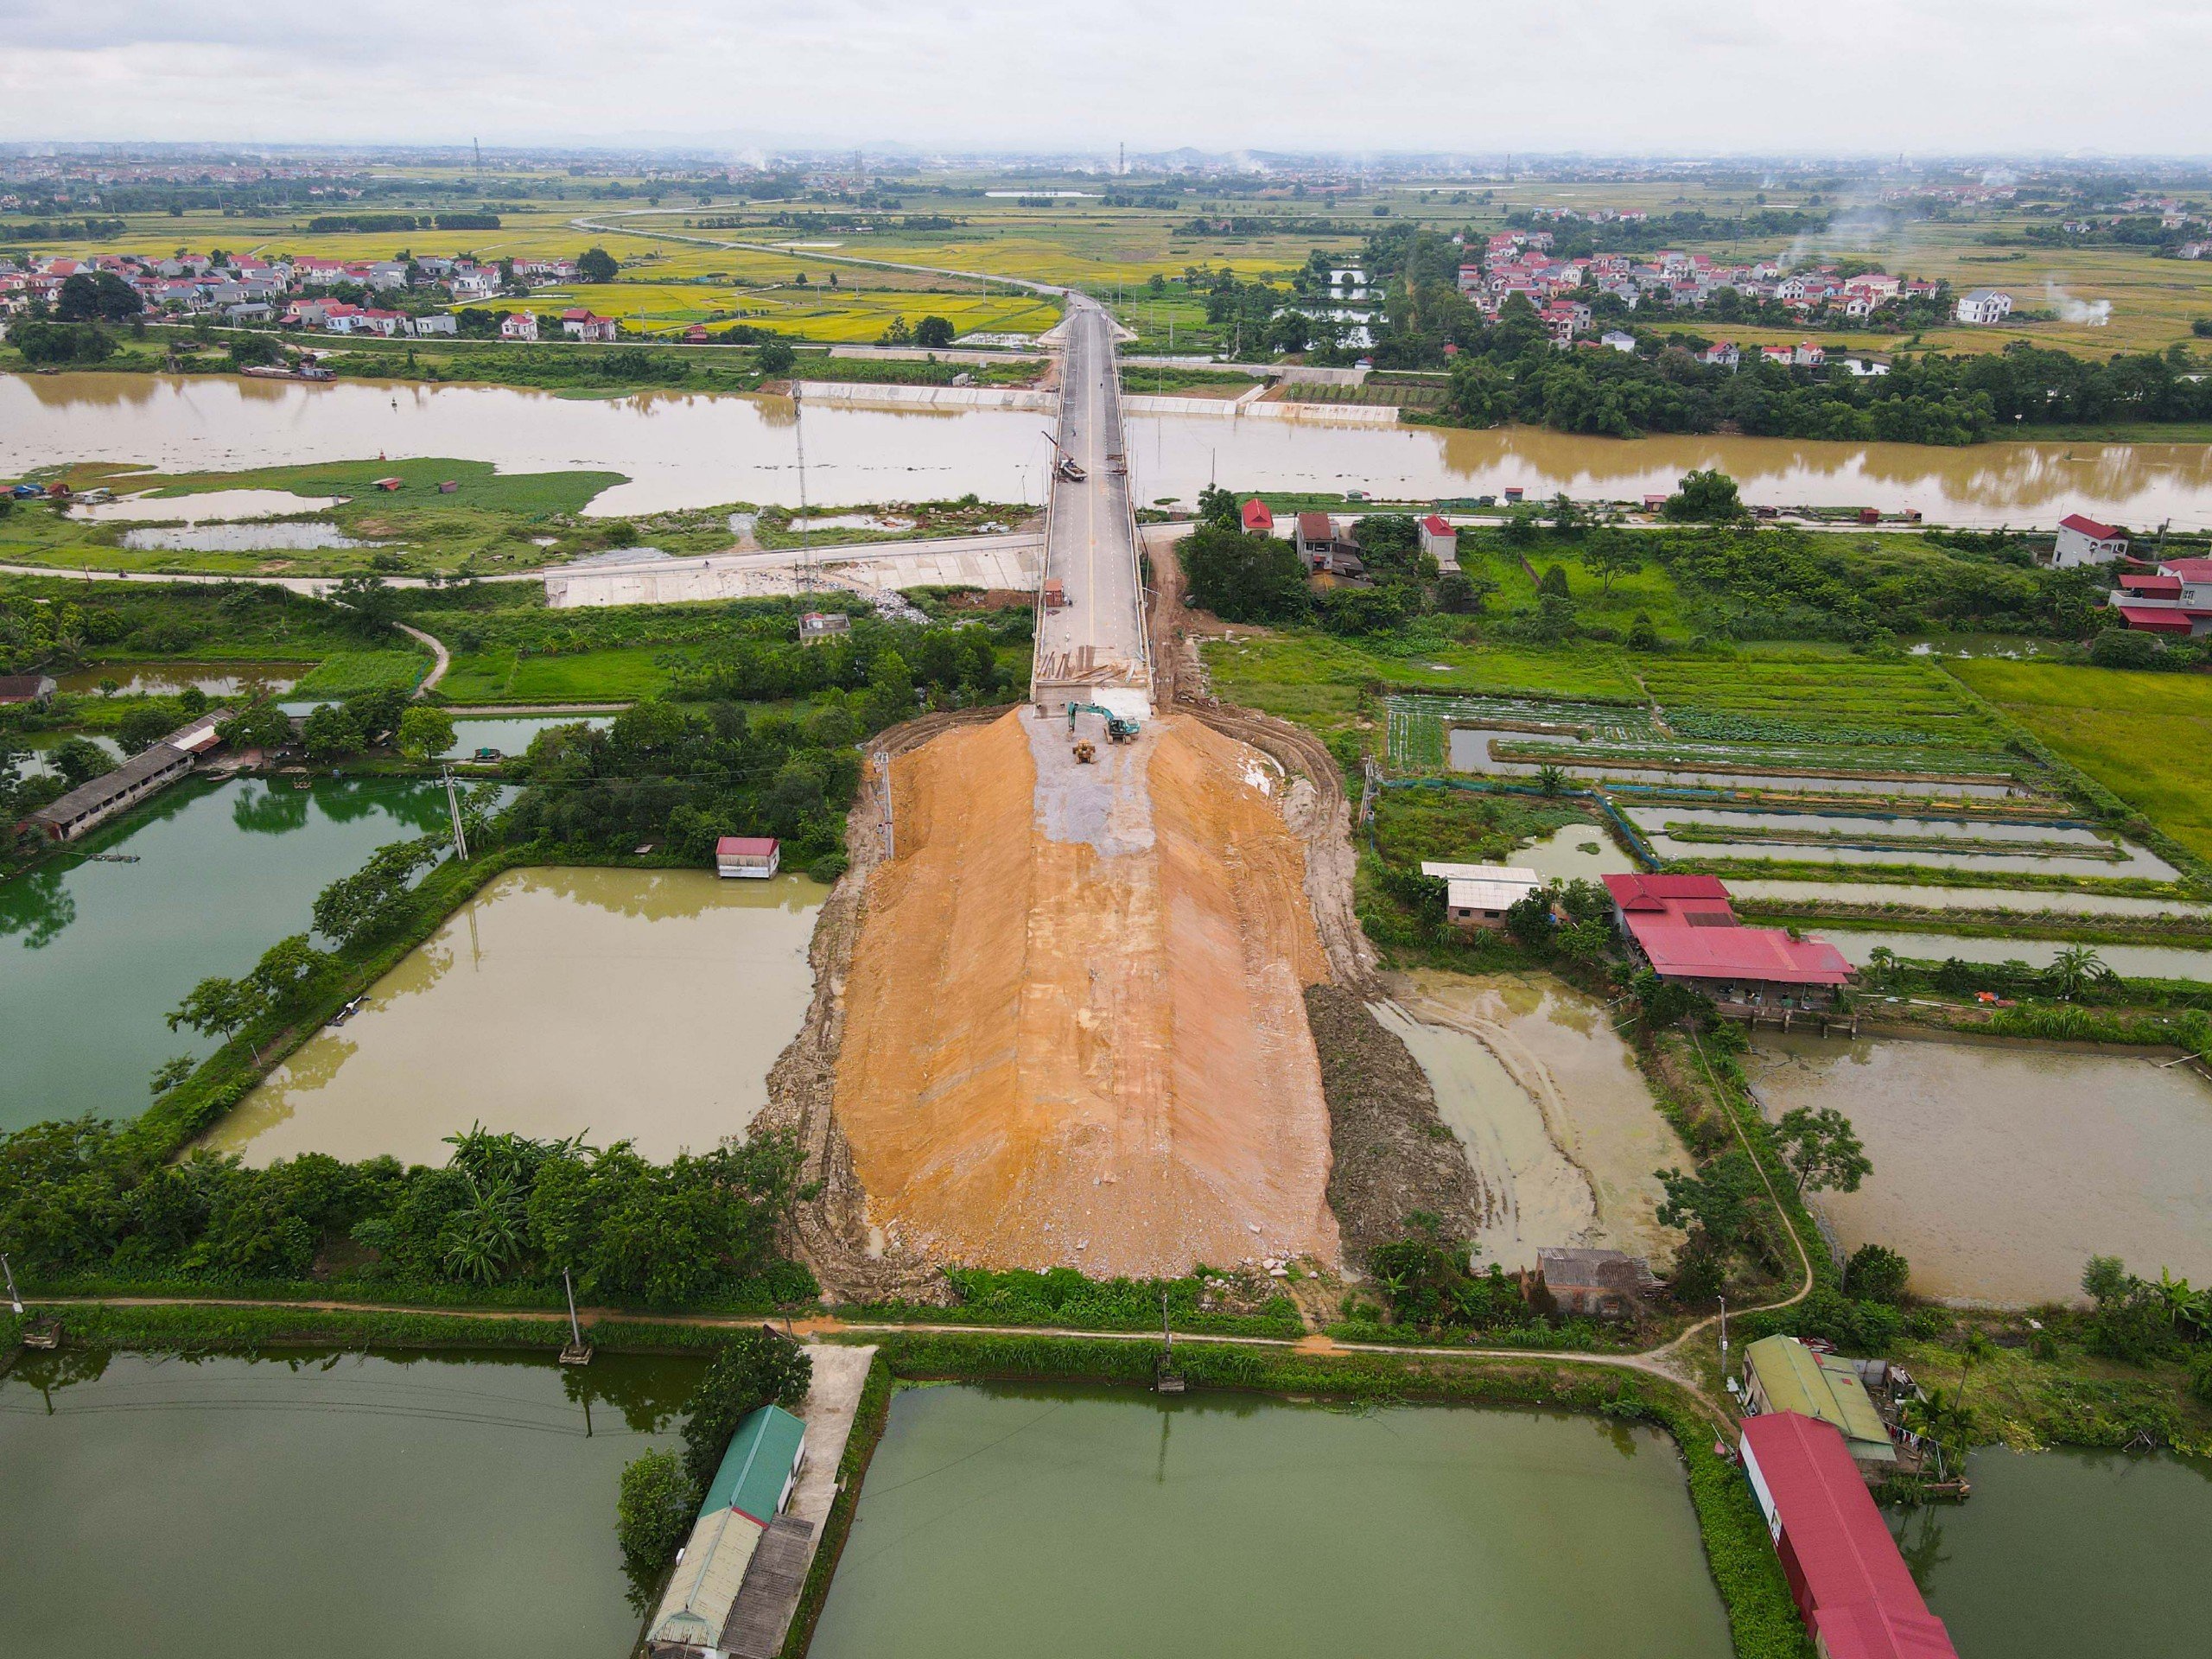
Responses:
[1090,545]
[313,587]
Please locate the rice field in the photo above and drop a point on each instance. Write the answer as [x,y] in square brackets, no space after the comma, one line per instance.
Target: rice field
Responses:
[816,312]
[2145,737]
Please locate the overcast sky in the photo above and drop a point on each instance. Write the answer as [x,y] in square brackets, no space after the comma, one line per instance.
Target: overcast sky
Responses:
[1875,77]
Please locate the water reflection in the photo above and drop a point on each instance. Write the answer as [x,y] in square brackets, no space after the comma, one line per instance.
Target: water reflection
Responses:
[683,449]
[220,873]
[693,986]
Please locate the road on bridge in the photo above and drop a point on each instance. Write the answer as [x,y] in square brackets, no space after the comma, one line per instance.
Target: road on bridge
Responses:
[1095,640]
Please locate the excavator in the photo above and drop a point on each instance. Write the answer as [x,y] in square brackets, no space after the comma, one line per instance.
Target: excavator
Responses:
[1120,728]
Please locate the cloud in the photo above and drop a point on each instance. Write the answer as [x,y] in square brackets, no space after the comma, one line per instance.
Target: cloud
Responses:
[1623,76]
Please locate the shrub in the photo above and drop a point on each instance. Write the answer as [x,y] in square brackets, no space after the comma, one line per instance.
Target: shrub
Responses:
[753,1369]
[1875,1273]
[653,1517]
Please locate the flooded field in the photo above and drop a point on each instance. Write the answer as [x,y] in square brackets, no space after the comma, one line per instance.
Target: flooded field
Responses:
[1578,850]
[94,954]
[684,450]
[39,745]
[2129,961]
[2000,1169]
[1939,843]
[998,1523]
[359,1505]
[639,1005]
[239,538]
[1470,751]
[2030,899]
[168,679]
[512,734]
[1555,1117]
[206,507]
[2064,1553]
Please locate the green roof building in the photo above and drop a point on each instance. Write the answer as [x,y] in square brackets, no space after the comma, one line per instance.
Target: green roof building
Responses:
[1782,1374]
[748,1492]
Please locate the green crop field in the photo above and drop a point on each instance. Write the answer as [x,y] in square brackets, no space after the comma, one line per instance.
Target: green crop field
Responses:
[347,673]
[1317,678]
[612,674]
[2145,737]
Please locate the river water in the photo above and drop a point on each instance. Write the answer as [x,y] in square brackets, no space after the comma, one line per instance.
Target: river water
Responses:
[638,1005]
[2066,1552]
[1089,1524]
[356,1506]
[687,450]
[1999,1169]
[94,954]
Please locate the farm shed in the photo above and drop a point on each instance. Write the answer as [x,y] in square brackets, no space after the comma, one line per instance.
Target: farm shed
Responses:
[1852,1588]
[152,769]
[748,1493]
[1685,927]
[1782,1374]
[1478,895]
[1609,1283]
[756,856]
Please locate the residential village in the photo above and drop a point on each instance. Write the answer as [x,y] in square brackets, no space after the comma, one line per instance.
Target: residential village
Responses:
[300,291]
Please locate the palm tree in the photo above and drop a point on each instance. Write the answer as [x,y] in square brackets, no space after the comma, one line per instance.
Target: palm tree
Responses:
[1550,780]
[1881,964]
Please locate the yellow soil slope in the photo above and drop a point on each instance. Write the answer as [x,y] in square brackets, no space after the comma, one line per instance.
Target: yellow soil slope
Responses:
[1075,1035]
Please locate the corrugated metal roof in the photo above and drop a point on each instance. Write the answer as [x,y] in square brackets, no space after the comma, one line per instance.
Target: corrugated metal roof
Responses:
[1812,1492]
[744,847]
[761,1455]
[1795,1378]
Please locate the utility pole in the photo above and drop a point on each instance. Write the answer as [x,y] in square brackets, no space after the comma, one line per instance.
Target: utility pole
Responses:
[1724,1339]
[453,809]
[578,1352]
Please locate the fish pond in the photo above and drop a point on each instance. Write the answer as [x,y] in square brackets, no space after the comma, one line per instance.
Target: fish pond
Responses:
[360,1504]
[637,1005]
[1089,1524]
[2069,1552]
[94,954]
[2000,1169]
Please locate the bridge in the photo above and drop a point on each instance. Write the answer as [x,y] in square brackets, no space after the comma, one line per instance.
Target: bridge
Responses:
[1091,632]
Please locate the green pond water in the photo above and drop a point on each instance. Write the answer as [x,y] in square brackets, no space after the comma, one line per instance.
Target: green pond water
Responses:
[94,955]
[2060,1553]
[356,1506]
[1086,1524]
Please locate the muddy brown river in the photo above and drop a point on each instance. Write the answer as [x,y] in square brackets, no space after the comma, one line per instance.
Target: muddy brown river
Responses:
[687,450]
[645,1006]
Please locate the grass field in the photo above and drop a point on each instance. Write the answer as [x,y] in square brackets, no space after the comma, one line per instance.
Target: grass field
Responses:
[1316,678]
[608,675]
[350,673]
[2145,737]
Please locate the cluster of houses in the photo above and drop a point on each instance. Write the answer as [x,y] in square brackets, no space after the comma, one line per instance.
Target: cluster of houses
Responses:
[1330,549]
[241,287]
[1522,262]
[2170,596]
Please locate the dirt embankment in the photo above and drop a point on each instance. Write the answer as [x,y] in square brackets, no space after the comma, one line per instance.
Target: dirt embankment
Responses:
[1073,1026]
[829,1231]
[1392,1153]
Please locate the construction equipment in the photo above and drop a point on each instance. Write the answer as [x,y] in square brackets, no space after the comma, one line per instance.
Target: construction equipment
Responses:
[1066,467]
[1120,728]
[1085,752]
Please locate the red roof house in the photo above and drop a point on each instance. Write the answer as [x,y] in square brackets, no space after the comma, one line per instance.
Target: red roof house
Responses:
[2177,600]
[1257,519]
[742,855]
[2088,526]
[1851,1586]
[1688,931]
